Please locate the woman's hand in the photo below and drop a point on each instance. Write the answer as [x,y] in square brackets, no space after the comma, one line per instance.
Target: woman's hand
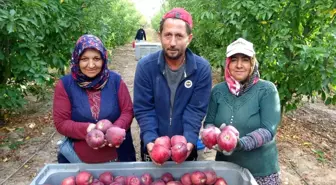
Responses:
[90,127]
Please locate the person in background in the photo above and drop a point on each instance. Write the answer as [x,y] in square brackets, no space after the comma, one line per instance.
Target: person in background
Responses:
[91,93]
[172,87]
[252,106]
[140,35]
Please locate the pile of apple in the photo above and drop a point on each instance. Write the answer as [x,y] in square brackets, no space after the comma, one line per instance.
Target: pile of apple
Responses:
[225,139]
[206,177]
[165,148]
[105,131]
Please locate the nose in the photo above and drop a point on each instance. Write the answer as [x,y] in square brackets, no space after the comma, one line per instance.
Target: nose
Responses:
[91,63]
[173,41]
[239,63]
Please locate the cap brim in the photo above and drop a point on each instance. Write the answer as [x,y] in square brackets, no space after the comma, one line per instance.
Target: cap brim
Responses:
[241,51]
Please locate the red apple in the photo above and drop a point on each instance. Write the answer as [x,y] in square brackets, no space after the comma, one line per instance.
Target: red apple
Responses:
[164,141]
[115,136]
[177,139]
[106,178]
[232,128]
[120,179]
[186,179]
[116,183]
[158,182]
[179,152]
[84,178]
[211,177]
[209,136]
[103,125]
[220,181]
[69,181]
[174,183]
[95,138]
[198,178]
[97,182]
[227,140]
[146,179]
[132,180]
[160,154]
[167,177]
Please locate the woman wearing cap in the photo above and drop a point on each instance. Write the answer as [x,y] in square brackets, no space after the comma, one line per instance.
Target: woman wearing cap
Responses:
[91,93]
[252,106]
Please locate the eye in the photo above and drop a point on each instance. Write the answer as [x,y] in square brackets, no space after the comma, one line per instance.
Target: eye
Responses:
[246,59]
[84,59]
[96,59]
[233,59]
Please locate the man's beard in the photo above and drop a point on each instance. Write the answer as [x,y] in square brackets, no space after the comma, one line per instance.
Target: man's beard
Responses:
[174,57]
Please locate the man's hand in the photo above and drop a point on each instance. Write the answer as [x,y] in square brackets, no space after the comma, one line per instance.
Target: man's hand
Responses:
[190,147]
[149,150]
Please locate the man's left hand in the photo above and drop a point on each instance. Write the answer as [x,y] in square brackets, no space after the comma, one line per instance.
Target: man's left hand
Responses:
[190,147]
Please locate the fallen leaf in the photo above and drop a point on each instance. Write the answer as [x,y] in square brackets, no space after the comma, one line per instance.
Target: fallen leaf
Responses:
[31,125]
[9,129]
[5,159]
[26,166]
[307,144]
[27,138]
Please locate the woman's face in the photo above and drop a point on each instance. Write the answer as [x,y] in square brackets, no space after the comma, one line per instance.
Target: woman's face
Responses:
[90,63]
[240,67]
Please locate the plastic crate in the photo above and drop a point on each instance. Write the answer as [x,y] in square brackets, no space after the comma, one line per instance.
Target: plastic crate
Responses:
[232,173]
[144,48]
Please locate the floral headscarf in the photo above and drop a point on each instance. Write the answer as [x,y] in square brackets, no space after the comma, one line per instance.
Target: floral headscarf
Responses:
[86,42]
[237,88]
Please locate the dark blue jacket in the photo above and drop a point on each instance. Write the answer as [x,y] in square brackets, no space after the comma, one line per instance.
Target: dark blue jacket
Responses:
[109,109]
[140,35]
[152,98]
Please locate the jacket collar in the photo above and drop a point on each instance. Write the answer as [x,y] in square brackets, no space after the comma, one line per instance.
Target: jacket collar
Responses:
[190,65]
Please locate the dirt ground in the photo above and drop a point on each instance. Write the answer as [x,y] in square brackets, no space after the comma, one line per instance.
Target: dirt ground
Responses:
[306,138]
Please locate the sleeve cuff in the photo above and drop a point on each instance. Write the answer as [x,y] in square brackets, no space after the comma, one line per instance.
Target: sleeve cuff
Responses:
[147,138]
[191,138]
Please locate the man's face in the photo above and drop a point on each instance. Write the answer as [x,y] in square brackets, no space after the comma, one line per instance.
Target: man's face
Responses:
[174,38]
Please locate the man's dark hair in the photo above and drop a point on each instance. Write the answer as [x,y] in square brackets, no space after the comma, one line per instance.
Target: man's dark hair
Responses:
[188,28]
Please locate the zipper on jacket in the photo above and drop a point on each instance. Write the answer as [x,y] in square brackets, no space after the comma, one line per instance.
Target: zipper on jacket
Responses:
[171,113]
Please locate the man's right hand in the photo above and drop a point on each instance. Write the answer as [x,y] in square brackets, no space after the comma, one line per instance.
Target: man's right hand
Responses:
[149,150]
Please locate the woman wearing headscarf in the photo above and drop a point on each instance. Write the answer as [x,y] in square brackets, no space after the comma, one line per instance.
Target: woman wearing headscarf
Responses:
[91,93]
[252,106]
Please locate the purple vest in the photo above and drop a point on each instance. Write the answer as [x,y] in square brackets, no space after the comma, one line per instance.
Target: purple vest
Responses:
[109,109]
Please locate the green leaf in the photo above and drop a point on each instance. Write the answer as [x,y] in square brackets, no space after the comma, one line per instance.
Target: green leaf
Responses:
[10,27]
[2,56]
[12,12]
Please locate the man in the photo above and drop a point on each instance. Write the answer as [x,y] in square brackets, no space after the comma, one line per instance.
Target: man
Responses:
[172,87]
[140,35]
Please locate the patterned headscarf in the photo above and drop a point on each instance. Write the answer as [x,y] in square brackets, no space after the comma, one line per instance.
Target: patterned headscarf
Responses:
[86,42]
[237,88]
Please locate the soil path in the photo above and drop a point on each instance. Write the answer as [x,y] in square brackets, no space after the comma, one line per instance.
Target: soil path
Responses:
[306,138]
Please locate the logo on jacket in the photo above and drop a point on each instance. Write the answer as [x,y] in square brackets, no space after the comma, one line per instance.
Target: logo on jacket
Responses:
[188,84]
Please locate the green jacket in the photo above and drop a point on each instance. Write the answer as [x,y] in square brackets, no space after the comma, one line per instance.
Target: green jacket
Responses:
[257,108]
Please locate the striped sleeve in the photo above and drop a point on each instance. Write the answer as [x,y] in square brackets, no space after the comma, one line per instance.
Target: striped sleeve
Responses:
[255,139]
